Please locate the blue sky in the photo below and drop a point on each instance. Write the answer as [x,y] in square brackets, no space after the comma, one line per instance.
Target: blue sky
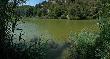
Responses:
[33,2]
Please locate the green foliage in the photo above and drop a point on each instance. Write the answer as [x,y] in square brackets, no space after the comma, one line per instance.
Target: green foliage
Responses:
[87,45]
[99,47]
[26,10]
[57,12]
[29,12]
[76,9]
[7,16]
[40,49]
[35,49]
[82,45]
[103,42]
[104,6]
[9,49]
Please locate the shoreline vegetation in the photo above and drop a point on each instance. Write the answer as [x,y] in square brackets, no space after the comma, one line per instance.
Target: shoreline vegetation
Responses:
[68,9]
[55,29]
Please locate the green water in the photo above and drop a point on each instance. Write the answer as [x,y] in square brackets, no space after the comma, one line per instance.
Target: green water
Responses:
[59,30]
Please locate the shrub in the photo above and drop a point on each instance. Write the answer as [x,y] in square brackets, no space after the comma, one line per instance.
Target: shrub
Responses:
[87,45]
[35,49]
[38,49]
[82,45]
[102,44]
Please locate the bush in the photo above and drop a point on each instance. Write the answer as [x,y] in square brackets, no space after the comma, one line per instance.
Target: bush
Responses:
[35,49]
[38,49]
[87,45]
[82,45]
[103,42]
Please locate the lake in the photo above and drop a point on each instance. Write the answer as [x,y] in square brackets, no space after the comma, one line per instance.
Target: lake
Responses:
[57,30]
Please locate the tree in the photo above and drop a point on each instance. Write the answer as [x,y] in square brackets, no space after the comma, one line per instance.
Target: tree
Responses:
[29,12]
[76,8]
[7,16]
[20,50]
[90,47]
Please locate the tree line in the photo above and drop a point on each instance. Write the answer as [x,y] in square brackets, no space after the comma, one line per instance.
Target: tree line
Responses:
[62,9]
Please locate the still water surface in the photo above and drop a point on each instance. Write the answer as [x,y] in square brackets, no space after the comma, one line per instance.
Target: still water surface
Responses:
[58,30]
